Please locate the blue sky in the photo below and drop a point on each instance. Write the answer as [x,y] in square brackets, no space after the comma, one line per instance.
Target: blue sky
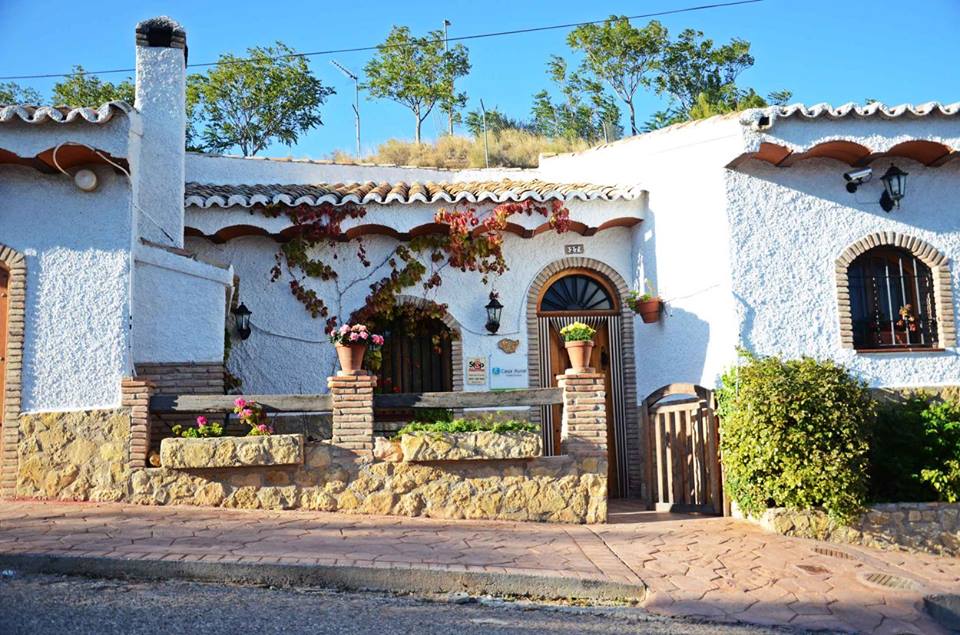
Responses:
[823,50]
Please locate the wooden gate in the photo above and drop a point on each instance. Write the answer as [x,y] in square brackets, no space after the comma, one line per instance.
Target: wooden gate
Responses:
[683,459]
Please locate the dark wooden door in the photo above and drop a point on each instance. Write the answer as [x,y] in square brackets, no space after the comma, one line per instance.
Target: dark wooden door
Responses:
[600,360]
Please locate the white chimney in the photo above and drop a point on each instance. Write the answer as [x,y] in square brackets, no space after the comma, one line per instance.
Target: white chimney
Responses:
[157,155]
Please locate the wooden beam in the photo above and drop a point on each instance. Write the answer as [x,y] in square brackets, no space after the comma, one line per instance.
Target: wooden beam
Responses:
[221,403]
[464,399]
[321,403]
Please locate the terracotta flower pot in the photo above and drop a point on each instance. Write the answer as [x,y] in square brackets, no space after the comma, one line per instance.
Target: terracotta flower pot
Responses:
[351,356]
[649,310]
[579,353]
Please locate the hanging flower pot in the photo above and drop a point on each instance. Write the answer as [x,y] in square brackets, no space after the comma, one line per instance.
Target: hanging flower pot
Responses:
[646,305]
[578,340]
[351,343]
[649,310]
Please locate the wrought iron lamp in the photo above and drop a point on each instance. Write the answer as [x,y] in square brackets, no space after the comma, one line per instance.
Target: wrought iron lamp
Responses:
[494,309]
[894,188]
[242,315]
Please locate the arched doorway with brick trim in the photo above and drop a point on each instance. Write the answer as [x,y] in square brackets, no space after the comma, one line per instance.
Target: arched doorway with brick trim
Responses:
[619,324]
[13,290]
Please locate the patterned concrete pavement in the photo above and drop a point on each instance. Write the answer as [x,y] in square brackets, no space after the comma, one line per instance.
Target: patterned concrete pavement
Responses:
[715,568]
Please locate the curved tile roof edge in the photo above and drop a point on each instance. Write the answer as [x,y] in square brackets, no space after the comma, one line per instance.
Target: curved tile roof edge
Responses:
[755,117]
[59,114]
[206,196]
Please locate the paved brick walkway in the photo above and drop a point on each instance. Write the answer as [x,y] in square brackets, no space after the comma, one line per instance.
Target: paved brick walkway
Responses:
[711,567]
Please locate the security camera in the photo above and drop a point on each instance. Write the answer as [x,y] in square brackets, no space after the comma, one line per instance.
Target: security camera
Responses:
[855,178]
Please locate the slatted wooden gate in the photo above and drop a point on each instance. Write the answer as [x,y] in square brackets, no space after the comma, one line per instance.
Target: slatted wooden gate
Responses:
[683,457]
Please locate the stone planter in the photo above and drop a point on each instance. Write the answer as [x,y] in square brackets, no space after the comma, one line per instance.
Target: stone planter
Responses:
[220,452]
[470,446]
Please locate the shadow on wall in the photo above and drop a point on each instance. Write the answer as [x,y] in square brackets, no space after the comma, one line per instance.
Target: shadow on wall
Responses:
[746,315]
[646,256]
[927,203]
[672,350]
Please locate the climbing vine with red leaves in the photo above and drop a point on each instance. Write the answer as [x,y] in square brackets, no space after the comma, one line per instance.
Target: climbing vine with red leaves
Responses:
[473,242]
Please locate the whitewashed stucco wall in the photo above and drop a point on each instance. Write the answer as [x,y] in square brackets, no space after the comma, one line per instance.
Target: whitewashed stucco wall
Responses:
[179,308]
[288,352]
[789,225]
[681,246]
[77,248]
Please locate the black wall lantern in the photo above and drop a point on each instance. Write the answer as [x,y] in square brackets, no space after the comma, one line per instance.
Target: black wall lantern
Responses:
[242,315]
[494,309]
[894,187]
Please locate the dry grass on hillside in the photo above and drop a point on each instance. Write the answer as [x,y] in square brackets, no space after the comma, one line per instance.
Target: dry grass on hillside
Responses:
[509,148]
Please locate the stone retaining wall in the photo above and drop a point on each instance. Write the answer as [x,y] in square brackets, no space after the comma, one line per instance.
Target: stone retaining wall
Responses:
[924,527]
[279,449]
[467,446]
[86,456]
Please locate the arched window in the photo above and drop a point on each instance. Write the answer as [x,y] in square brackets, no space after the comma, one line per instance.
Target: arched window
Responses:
[576,293]
[892,302]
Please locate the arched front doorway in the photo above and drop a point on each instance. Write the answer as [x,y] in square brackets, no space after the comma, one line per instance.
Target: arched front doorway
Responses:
[583,295]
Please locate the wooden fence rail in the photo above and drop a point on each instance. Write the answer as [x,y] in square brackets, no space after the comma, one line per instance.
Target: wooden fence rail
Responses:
[161,404]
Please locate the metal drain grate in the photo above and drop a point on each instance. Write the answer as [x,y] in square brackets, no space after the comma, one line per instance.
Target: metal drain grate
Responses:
[833,553]
[890,581]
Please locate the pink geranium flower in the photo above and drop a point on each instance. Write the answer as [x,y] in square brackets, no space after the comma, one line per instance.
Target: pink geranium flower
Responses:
[354,337]
[377,339]
[344,329]
[262,427]
[240,402]
[363,335]
[201,421]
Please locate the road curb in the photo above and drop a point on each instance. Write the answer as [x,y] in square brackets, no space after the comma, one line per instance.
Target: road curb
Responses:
[341,577]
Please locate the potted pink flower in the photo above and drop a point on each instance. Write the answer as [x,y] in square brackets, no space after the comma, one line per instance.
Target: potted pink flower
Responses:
[351,342]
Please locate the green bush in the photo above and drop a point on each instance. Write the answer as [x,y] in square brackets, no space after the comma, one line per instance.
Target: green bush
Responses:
[915,450]
[484,424]
[794,434]
[898,452]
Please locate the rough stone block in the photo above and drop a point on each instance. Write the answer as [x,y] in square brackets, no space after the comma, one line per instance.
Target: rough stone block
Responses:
[279,449]
[466,446]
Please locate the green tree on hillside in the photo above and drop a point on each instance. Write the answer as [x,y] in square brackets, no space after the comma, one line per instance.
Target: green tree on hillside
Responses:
[586,111]
[80,89]
[417,73]
[14,93]
[621,56]
[248,103]
[700,79]
[497,122]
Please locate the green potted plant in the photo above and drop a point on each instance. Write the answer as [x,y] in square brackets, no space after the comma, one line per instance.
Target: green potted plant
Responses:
[351,342]
[578,340]
[647,304]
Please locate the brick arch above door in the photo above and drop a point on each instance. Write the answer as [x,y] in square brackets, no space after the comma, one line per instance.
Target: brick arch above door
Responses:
[16,266]
[603,270]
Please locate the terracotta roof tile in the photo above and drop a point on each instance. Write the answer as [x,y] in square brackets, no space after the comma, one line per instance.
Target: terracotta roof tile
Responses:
[63,114]
[765,117]
[208,195]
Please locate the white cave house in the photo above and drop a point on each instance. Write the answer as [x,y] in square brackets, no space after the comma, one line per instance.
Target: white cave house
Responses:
[123,256]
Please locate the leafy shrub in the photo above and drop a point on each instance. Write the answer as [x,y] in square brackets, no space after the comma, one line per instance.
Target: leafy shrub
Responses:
[795,434]
[898,452]
[942,436]
[482,424]
[915,450]
[577,332]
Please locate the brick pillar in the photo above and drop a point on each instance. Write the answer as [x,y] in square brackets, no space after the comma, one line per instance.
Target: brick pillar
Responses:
[584,424]
[136,397]
[352,396]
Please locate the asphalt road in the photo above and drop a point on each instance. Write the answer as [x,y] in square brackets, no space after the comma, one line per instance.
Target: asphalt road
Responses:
[39,605]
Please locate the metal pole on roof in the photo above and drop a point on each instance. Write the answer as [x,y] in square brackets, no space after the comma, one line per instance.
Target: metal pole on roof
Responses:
[447,23]
[356,99]
[483,117]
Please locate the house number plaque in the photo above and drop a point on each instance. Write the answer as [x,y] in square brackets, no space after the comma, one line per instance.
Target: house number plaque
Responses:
[574,250]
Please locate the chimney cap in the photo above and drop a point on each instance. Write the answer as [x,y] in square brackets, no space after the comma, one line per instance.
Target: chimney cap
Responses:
[161,31]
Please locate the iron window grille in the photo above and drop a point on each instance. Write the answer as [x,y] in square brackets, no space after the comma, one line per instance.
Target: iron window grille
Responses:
[891,301]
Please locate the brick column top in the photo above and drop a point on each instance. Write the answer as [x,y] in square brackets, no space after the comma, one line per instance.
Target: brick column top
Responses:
[352,397]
